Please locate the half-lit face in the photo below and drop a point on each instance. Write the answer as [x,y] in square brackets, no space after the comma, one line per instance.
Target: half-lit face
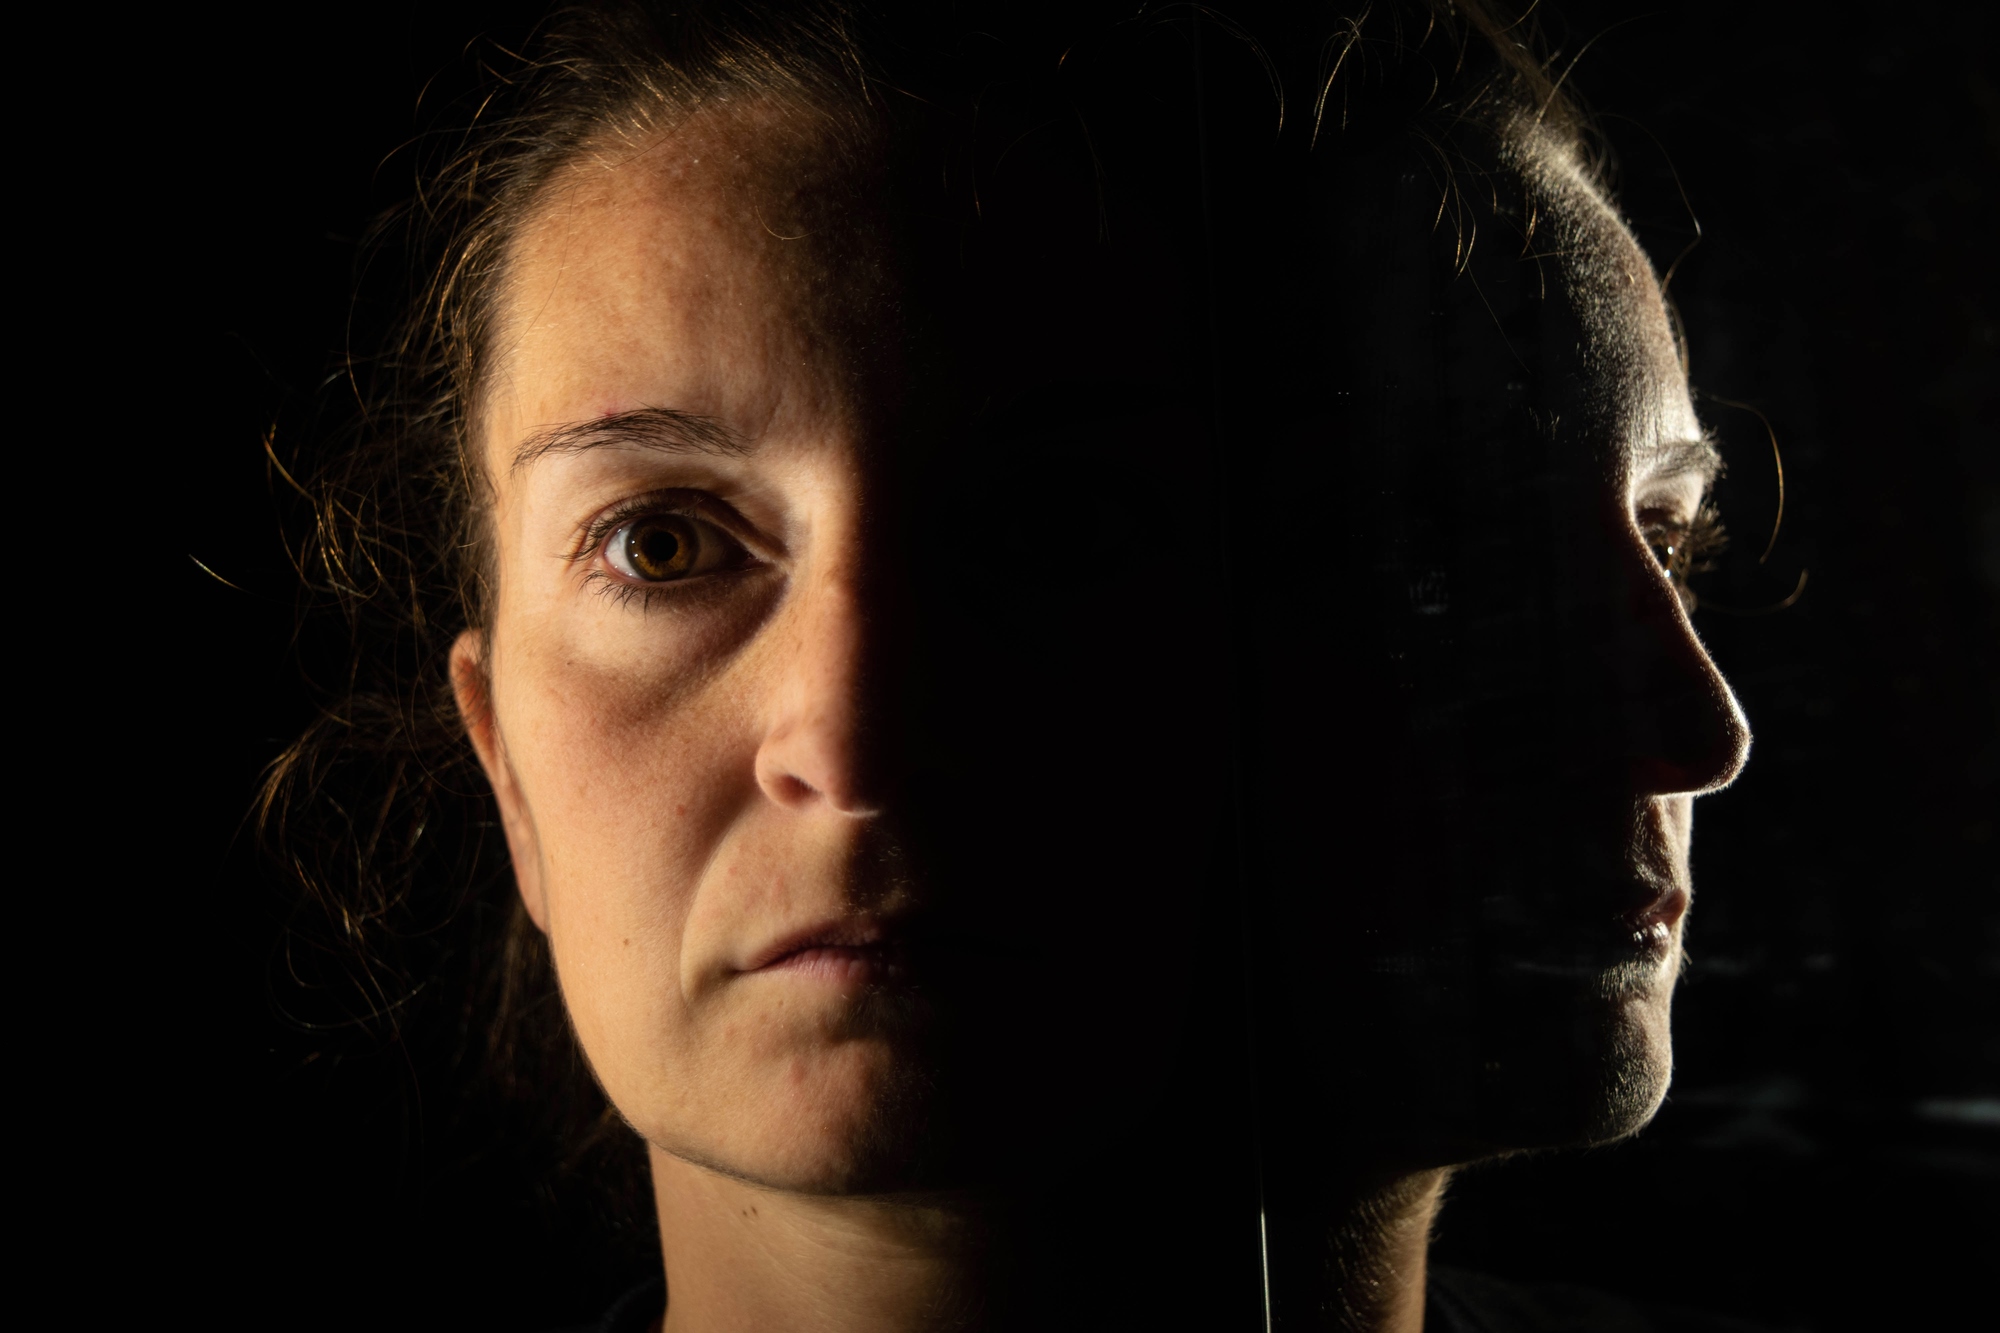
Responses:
[677,514]
[836,777]
[855,681]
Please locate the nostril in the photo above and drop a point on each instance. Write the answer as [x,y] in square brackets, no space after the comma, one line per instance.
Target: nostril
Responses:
[1659,777]
[800,770]
[1683,730]
[789,789]
[1664,777]
[1704,753]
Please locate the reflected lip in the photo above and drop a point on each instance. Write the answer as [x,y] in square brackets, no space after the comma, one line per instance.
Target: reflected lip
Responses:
[1662,907]
[1651,922]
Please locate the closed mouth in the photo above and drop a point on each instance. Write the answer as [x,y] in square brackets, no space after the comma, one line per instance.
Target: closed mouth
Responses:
[858,950]
[1660,907]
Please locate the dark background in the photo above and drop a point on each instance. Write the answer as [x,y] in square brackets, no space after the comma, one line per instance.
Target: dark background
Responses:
[1830,1155]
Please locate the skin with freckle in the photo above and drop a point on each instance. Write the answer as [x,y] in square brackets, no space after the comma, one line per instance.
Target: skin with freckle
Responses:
[760,705]
[903,621]
[769,705]
[649,283]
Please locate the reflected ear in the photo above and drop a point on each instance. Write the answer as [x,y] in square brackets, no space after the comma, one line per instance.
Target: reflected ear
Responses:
[471,685]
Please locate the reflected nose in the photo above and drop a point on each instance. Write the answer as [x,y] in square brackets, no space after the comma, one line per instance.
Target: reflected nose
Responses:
[816,747]
[1684,731]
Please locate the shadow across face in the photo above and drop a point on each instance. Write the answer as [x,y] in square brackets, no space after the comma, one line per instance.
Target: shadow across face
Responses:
[1327,489]
[1051,666]
[1225,545]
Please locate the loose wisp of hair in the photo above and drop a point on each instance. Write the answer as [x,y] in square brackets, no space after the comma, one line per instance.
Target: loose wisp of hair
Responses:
[377,813]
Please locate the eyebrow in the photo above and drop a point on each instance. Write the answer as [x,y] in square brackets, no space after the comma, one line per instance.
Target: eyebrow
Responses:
[661,429]
[1678,458]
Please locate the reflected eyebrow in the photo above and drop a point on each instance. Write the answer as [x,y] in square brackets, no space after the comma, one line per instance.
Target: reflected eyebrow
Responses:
[657,428]
[1678,458]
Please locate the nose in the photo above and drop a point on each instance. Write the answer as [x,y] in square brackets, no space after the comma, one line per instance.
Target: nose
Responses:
[1685,733]
[817,747]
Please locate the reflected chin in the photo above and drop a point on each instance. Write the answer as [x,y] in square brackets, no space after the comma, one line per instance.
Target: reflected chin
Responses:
[1577,1040]
[1514,1059]
[1597,1074]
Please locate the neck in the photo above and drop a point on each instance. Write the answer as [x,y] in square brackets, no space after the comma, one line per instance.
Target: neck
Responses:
[1380,1240]
[1349,1254]
[742,1257]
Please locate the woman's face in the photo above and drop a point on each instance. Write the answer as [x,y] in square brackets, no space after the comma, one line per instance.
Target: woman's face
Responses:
[1488,880]
[860,785]
[855,684]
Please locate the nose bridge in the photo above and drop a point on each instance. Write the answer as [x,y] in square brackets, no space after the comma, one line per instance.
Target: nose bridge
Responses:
[814,748]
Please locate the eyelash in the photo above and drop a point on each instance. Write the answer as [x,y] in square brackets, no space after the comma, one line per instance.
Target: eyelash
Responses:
[590,544]
[1688,548]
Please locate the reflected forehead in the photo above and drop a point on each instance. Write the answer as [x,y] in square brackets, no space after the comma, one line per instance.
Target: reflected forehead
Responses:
[1628,343]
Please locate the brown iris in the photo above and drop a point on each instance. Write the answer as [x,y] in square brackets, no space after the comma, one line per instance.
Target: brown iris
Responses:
[1688,548]
[662,547]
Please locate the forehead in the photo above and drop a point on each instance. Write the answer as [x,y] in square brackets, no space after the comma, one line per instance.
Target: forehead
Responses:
[693,270]
[1632,382]
[673,271]
[1500,311]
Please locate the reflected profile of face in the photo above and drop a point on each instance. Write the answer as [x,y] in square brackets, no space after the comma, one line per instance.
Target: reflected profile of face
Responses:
[855,687]
[1483,876]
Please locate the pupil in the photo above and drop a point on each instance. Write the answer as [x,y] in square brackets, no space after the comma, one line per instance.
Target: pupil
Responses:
[657,550]
[661,547]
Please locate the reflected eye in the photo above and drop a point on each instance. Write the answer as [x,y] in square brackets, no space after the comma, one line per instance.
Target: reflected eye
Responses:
[663,548]
[1687,548]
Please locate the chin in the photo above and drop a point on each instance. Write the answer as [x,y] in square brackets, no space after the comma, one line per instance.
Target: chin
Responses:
[1518,1064]
[845,1121]
[1596,1078]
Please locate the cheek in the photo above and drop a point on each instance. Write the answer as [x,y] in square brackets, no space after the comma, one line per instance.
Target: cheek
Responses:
[631,776]
[627,732]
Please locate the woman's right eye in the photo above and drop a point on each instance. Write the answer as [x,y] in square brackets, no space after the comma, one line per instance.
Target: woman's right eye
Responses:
[667,548]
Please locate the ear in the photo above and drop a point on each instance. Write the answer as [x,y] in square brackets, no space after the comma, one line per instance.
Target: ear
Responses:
[472,683]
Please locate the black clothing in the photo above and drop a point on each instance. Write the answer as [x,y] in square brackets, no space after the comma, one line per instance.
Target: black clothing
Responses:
[1456,1301]
[634,1312]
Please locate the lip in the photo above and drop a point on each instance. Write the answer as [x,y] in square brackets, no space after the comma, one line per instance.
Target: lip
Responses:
[1652,920]
[1662,904]
[851,950]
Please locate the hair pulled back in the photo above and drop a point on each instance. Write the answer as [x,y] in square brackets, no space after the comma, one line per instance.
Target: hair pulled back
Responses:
[378,812]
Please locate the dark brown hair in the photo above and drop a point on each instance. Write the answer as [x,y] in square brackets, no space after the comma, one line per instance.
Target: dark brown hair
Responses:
[378,812]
